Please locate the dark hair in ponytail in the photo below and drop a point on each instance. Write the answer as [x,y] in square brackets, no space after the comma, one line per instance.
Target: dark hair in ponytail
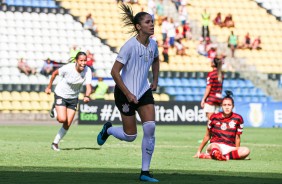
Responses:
[129,19]
[77,56]
[228,95]
[218,64]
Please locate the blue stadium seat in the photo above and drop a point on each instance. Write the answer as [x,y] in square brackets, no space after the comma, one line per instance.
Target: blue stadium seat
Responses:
[263,99]
[197,97]
[179,91]
[193,82]
[247,99]
[177,82]
[188,91]
[170,91]
[168,82]
[201,83]
[161,82]
[180,98]
[189,98]
[260,92]
[185,82]
[255,99]
[249,84]
[241,83]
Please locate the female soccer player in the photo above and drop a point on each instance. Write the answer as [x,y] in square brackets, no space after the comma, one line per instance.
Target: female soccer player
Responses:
[224,131]
[74,75]
[212,97]
[133,91]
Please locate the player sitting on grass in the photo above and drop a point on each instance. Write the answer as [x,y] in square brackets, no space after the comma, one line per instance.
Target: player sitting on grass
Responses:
[224,130]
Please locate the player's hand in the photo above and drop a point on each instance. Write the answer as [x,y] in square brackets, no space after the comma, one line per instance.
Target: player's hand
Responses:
[86,99]
[132,98]
[153,87]
[48,91]
[197,154]
[203,103]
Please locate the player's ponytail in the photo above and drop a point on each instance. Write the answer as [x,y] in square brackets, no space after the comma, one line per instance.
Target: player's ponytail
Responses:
[218,64]
[129,19]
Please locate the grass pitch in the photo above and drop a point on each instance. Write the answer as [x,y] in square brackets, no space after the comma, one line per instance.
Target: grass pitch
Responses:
[26,157]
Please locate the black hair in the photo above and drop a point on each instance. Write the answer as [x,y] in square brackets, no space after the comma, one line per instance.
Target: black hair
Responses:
[218,64]
[79,54]
[129,19]
[228,95]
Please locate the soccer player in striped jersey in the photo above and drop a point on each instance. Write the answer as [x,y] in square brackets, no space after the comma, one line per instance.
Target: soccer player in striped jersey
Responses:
[212,98]
[73,76]
[133,92]
[224,132]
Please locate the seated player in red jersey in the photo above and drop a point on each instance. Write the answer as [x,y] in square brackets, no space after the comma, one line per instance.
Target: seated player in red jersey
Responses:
[224,131]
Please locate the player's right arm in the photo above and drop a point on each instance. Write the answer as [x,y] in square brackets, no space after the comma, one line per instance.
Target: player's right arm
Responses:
[54,75]
[203,143]
[118,80]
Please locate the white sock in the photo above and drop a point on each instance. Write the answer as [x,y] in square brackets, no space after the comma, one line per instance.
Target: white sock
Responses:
[62,132]
[148,144]
[118,133]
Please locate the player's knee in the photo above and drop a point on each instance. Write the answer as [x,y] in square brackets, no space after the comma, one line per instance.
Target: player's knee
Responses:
[129,138]
[62,119]
[245,151]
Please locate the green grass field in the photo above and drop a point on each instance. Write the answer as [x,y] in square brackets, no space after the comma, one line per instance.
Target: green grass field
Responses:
[26,157]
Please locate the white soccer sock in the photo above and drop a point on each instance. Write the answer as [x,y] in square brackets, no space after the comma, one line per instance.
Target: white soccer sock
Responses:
[118,133]
[62,132]
[148,144]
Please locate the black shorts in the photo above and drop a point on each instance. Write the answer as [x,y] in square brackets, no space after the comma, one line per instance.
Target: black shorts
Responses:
[68,103]
[128,109]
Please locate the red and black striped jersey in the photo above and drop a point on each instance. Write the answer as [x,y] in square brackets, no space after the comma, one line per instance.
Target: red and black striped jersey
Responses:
[224,130]
[214,97]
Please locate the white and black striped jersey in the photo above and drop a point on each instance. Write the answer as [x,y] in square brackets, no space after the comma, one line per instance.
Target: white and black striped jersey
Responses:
[137,60]
[71,81]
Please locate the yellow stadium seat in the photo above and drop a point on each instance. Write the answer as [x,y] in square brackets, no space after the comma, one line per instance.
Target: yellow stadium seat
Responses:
[6,96]
[156,97]
[6,106]
[34,96]
[35,106]
[26,105]
[16,106]
[15,95]
[164,97]
[25,96]
[44,105]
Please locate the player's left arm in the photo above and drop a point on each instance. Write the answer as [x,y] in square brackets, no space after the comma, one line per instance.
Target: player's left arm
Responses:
[88,86]
[155,70]
[239,131]
[237,141]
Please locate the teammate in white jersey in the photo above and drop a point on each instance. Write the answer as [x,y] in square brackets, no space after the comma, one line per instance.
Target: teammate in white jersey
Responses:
[133,92]
[73,76]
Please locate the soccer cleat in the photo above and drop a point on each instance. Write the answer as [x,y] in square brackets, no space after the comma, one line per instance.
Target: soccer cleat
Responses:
[55,147]
[146,176]
[103,135]
[204,156]
[218,156]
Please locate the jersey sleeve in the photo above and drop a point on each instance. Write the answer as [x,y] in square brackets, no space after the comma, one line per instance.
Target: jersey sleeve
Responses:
[88,76]
[124,54]
[209,80]
[63,70]
[210,122]
[240,125]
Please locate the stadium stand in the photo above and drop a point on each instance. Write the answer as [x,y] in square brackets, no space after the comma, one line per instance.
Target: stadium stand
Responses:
[38,29]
